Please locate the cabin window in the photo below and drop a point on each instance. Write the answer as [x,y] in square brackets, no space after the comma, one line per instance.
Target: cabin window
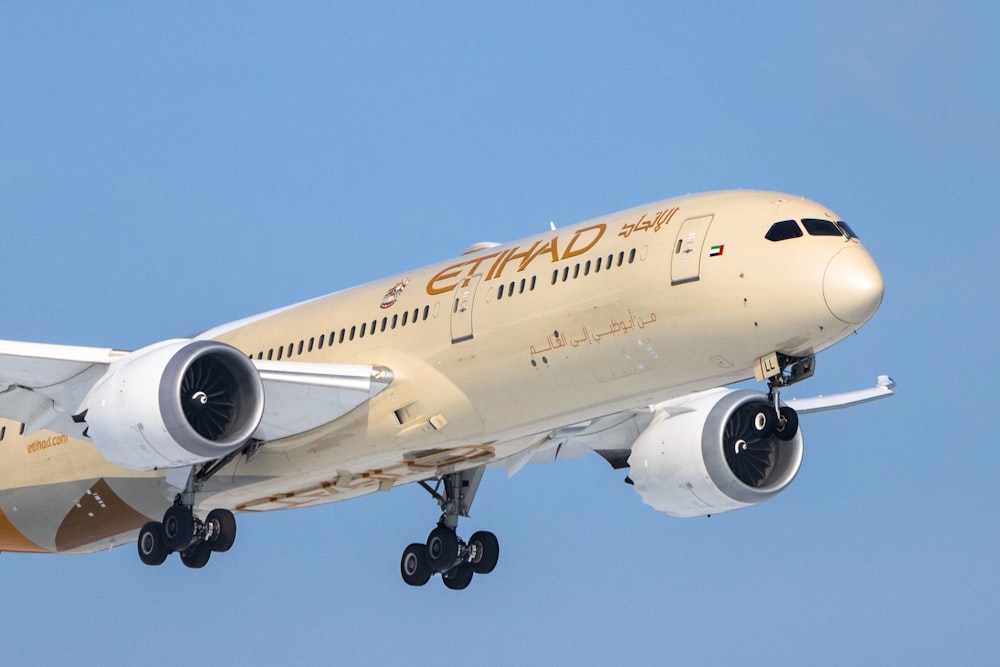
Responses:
[312,342]
[281,351]
[532,288]
[555,276]
[364,325]
[621,258]
[785,229]
[3,432]
[270,354]
[301,345]
[395,318]
[321,337]
[427,312]
[631,255]
[385,321]
[586,268]
[406,313]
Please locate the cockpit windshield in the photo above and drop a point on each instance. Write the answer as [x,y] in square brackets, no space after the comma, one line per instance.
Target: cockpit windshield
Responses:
[785,229]
[789,229]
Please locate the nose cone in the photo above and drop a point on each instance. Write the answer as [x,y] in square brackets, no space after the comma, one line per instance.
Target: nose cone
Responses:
[852,286]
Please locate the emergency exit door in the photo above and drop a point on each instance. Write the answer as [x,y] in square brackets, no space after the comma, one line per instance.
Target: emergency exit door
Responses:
[685,266]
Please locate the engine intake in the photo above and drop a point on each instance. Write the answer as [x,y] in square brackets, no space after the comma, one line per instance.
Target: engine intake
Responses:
[175,403]
[713,454]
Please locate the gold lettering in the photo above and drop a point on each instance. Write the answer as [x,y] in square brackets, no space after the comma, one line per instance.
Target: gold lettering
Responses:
[444,275]
[511,256]
[570,252]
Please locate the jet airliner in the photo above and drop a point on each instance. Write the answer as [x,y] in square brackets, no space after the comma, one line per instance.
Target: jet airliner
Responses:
[618,336]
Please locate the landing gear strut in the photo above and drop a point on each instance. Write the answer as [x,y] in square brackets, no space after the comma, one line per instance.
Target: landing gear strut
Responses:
[444,552]
[793,369]
[182,531]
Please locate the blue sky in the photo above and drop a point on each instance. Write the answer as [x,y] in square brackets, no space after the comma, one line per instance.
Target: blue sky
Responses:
[167,168]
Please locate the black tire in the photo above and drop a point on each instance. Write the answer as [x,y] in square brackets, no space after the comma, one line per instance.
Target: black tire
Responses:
[178,527]
[197,556]
[485,551]
[442,549]
[765,420]
[223,525]
[414,567]
[789,424]
[459,577]
[152,548]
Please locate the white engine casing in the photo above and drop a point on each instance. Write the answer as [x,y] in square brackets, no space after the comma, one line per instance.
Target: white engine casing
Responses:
[136,416]
[678,464]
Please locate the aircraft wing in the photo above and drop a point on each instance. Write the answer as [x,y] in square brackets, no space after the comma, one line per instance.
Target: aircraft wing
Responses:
[43,386]
[612,436]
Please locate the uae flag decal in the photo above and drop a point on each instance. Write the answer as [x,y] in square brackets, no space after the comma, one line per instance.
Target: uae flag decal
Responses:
[716,251]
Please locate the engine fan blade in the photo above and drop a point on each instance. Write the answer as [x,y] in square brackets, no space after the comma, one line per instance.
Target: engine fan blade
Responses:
[748,456]
[207,396]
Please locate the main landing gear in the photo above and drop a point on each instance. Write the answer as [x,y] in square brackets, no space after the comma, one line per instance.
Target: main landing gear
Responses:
[444,552]
[181,531]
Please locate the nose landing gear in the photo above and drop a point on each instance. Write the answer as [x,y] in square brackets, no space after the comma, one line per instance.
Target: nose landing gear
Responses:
[444,552]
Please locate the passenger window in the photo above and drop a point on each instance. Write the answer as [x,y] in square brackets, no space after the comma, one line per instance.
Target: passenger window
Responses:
[819,227]
[780,231]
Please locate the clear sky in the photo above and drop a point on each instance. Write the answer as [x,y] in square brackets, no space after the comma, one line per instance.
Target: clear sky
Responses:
[166,168]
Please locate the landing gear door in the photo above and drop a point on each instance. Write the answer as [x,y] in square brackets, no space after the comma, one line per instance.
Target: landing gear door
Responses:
[461,308]
[685,266]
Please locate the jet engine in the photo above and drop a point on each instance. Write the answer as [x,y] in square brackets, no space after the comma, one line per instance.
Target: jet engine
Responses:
[175,403]
[717,452]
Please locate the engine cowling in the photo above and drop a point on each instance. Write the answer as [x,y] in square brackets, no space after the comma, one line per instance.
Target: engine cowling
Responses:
[706,457]
[175,403]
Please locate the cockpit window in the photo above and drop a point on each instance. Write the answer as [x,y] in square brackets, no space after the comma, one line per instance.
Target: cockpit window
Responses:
[820,227]
[786,229]
[846,229]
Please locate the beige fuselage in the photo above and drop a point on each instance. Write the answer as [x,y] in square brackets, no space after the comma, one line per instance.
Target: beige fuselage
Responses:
[489,352]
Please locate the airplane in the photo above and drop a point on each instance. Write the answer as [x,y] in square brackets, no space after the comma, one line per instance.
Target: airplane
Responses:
[619,336]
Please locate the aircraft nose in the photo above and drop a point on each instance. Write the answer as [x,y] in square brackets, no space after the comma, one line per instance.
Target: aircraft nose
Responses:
[852,286]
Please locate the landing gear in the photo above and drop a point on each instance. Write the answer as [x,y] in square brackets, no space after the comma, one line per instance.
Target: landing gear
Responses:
[185,533]
[444,552]
[784,421]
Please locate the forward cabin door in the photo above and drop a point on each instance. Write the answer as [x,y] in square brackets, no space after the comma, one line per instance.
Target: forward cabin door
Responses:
[461,308]
[685,267]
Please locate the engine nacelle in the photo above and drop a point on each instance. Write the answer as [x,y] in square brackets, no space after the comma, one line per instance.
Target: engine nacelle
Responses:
[705,456]
[175,403]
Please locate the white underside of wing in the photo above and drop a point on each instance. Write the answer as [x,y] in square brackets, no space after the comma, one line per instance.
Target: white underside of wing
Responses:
[299,397]
[882,389]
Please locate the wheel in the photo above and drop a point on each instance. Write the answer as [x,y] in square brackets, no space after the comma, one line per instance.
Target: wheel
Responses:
[485,551]
[764,421]
[197,556]
[152,547]
[442,549]
[414,567]
[458,577]
[178,527]
[223,526]
[789,424]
